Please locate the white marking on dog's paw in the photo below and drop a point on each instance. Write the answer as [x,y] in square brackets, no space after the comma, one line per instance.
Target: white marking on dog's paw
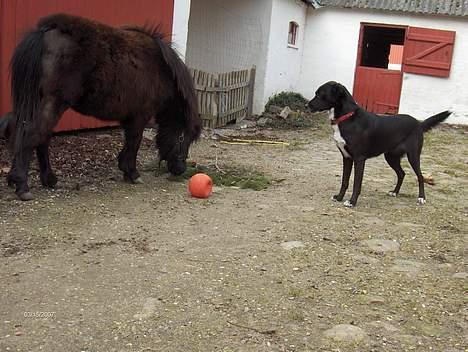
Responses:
[421,201]
[348,204]
[334,199]
[392,194]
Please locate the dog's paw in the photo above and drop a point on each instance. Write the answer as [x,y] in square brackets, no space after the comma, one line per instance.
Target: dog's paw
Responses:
[348,204]
[392,194]
[421,201]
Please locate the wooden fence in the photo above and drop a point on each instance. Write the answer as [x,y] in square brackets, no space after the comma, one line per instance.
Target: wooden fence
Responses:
[224,97]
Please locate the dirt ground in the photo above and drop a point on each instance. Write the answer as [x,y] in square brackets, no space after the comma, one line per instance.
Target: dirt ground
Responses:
[101,265]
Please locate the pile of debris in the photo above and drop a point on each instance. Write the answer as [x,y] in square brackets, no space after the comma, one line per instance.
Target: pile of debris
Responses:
[285,118]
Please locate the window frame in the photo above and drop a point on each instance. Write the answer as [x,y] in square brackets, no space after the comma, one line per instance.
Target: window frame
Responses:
[293,34]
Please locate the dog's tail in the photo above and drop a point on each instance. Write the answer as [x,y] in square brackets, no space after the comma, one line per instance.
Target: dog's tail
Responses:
[433,121]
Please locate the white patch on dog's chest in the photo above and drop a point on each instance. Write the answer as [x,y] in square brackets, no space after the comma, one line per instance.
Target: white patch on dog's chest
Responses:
[339,140]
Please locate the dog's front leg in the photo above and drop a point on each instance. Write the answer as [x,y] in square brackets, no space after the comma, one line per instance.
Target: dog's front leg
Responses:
[347,167]
[358,174]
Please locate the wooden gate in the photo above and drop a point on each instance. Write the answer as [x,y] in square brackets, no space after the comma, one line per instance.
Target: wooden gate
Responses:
[224,97]
[17,16]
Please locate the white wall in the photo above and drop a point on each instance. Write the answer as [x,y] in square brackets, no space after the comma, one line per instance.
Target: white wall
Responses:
[331,43]
[283,61]
[180,24]
[230,35]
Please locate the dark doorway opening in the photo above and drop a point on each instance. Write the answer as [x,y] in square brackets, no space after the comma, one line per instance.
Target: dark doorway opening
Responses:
[382,47]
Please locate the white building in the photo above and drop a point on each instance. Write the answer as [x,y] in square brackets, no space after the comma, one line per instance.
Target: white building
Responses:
[298,45]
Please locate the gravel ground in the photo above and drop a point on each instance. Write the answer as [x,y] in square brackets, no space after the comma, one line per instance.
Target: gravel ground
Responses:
[101,265]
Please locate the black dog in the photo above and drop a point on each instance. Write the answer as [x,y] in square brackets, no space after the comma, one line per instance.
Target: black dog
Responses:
[360,135]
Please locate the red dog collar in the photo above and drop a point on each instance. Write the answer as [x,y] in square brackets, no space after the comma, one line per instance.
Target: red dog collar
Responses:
[342,118]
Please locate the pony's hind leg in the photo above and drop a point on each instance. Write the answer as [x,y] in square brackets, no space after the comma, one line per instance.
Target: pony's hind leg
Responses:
[133,129]
[48,178]
[34,135]
[18,174]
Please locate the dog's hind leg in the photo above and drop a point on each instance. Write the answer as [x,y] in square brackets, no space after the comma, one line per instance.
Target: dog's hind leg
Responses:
[347,167]
[358,174]
[414,160]
[394,162]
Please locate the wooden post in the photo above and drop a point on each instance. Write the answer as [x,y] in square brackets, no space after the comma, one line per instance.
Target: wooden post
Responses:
[215,101]
[251,91]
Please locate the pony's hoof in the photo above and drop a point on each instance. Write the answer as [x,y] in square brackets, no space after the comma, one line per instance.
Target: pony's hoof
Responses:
[421,201]
[348,204]
[26,196]
[138,181]
[392,194]
[50,181]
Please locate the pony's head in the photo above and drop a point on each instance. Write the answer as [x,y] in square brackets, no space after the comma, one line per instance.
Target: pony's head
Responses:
[174,144]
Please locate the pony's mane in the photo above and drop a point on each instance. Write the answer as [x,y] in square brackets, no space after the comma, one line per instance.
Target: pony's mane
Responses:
[155,31]
[180,74]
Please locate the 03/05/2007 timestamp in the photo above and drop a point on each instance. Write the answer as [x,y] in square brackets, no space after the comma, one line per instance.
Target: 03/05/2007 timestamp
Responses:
[39,315]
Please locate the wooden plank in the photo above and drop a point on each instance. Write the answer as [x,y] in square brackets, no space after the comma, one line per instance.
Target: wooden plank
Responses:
[232,111]
[251,91]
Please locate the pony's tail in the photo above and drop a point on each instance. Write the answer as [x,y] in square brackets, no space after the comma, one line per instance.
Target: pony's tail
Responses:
[5,125]
[184,83]
[433,121]
[26,73]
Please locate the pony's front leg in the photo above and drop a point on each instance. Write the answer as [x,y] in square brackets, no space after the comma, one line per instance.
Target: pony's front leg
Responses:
[127,158]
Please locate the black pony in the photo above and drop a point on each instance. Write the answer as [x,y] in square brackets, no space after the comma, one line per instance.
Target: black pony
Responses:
[126,74]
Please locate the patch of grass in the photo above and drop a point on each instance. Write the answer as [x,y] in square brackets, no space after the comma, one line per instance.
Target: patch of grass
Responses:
[294,100]
[301,120]
[295,292]
[296,315]
[297,144]
[244,178]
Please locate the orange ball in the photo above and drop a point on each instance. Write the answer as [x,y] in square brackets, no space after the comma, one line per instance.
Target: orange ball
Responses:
[200,185]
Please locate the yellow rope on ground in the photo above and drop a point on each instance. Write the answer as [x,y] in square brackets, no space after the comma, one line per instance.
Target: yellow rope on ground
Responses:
[254,141]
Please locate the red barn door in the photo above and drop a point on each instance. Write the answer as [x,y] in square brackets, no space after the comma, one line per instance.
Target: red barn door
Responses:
[17,16]
[385,52]
[378,77]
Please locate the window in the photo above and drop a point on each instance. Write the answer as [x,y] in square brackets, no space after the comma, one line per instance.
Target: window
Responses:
[292,36]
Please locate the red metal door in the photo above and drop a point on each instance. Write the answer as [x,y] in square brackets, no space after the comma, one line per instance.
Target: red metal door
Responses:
[378,90]
[17,16]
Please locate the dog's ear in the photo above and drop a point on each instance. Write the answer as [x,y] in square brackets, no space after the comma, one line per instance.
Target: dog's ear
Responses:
[339,92]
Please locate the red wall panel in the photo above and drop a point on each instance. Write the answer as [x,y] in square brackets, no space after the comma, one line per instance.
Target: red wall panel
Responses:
[17,16]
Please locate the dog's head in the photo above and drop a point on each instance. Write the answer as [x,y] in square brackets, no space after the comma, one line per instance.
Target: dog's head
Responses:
[329,95]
